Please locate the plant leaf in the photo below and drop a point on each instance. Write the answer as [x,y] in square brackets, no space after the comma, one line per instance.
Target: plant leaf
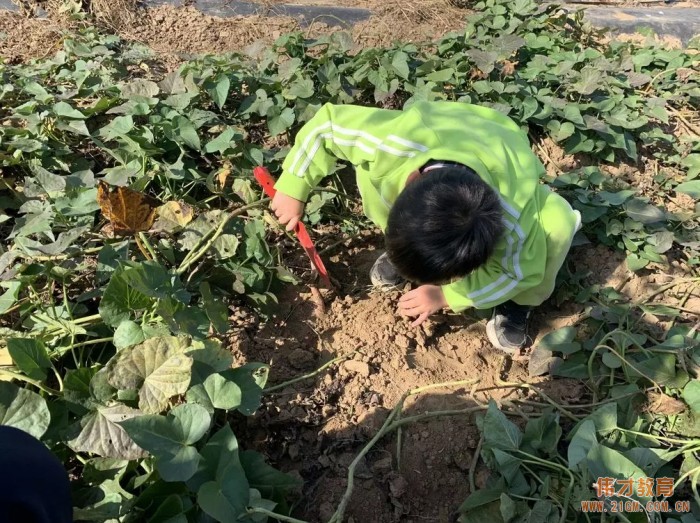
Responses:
[23,409]
[158,368]
[170,439]
[215,393]
[101,434]
[499,432]
[30,356]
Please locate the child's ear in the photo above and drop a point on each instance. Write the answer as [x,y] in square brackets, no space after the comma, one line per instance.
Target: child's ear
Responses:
[412,177]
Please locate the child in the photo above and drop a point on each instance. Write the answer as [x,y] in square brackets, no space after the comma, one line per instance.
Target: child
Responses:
[455,188]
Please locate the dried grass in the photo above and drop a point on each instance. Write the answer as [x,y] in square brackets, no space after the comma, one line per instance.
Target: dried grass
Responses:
[439,12]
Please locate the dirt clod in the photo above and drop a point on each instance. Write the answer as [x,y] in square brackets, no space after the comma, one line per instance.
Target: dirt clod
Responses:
[357,367]
[301,359]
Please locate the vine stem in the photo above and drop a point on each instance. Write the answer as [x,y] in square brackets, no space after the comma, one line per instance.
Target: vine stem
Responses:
[323,367]
[208,240]
[543,463]
[568,414]
[387,427]
[37,384]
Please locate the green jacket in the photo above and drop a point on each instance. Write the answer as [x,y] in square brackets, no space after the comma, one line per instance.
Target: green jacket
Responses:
[385,146]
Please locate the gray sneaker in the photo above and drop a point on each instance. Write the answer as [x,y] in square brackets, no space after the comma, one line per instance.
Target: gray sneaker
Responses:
[384,275]
[507,328]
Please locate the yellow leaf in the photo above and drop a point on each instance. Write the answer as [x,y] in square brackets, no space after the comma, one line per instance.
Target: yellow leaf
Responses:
[223,175]
[173,216]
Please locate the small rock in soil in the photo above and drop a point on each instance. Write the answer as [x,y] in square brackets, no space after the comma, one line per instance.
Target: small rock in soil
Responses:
[293,451]
[402,341]
[362,471]
[463,461]
[301,359]
[326,511]
[359,367]
[325,462]
[382,466]
[398,486]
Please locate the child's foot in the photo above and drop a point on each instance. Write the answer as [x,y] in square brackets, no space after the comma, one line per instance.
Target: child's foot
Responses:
[507,328]
[383,274]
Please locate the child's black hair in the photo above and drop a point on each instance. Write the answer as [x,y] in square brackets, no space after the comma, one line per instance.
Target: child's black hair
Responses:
[443,225]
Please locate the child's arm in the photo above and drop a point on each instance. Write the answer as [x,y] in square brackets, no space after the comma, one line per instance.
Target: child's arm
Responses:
[344,132]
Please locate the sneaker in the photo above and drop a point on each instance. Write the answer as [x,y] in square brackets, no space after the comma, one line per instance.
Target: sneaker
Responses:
[383,274]
[507,328]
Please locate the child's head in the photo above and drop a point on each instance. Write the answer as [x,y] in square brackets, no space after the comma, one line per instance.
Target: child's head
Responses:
[443,225]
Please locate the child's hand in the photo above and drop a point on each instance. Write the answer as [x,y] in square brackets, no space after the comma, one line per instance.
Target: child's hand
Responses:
[422,302]
[287,209]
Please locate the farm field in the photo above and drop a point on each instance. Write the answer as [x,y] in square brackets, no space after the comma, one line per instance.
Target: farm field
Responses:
[165,338]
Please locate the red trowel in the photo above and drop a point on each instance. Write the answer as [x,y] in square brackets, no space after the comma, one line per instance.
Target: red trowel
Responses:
[267,182]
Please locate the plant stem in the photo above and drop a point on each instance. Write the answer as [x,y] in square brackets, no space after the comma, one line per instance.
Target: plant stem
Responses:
[208,239]
[388,426]
[149,247]
[323,367]
[37,384]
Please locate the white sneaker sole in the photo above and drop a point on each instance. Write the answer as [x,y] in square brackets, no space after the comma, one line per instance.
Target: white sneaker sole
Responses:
[491,334]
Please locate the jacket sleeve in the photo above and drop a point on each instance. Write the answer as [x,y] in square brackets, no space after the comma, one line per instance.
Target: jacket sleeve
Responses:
[486,287]
[516,265]
[337,132]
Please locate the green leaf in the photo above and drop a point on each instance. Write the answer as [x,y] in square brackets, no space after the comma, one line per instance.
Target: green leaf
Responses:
[485,61]
[635,262]
[301,88]
[605,418]
[399,63]
[499,432]
[583,441]
[225,497]
[589,81]
[691,188]
[642,212]
[215,393]
[650,460]
[170,439]
[23,409]
[542,434]
[251,379]
[560,131]
[691,395]
[67,111]
[216,310]
[560,340]
[221,142]
[271,483]
[102,434]
[117,128]
[279,121]
[128,333]
[120,300]
[9,297]
[185,131]
[219,92]
[605,462]
[158,368]
[443,75]
[30,356]
[480,498]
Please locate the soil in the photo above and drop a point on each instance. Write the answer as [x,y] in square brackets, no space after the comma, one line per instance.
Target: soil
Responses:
[316,427]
